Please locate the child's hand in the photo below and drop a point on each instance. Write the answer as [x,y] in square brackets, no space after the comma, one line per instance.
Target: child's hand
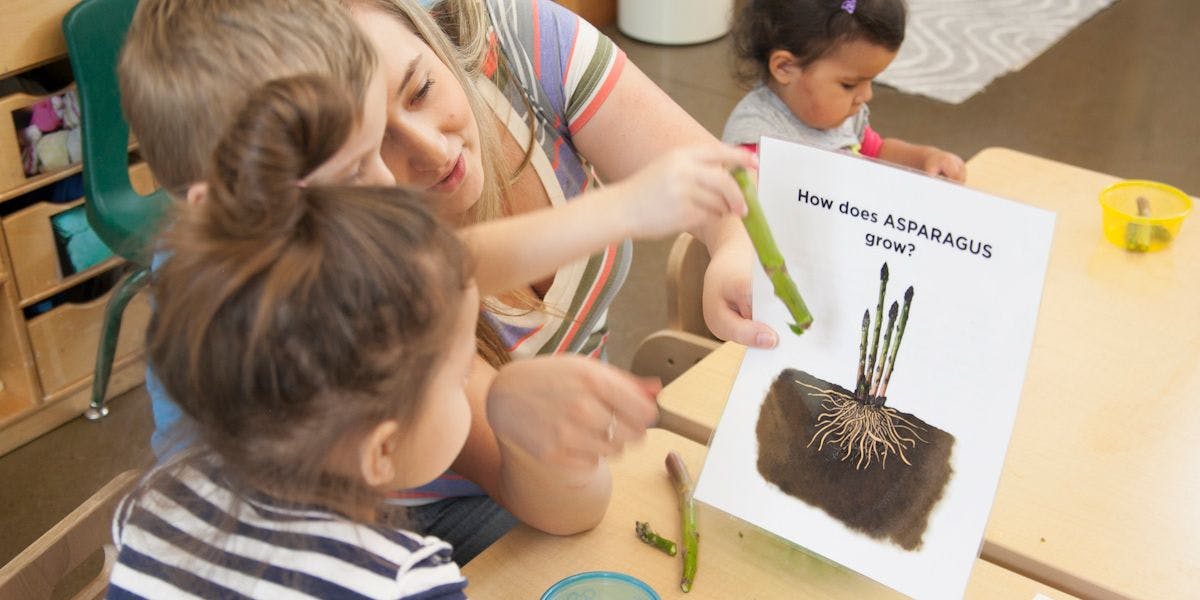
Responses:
[683,189]
[940,163]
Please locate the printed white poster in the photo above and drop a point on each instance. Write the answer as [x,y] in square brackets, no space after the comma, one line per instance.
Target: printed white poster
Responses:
[876,438]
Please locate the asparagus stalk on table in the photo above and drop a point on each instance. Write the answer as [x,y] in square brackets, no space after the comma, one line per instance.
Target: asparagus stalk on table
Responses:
[648,535]
[687,509]
[769,255]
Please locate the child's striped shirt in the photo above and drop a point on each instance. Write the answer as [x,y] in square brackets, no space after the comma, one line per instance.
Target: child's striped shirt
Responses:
[189,536]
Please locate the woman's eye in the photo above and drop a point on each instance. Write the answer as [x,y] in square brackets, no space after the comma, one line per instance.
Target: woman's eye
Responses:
[422,91]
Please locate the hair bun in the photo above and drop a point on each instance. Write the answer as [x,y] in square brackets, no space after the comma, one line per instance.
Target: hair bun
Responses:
[284,131]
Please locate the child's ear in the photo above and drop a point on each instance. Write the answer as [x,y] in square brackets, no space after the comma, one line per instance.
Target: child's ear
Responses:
[783,66]
[377,454]
[196,193]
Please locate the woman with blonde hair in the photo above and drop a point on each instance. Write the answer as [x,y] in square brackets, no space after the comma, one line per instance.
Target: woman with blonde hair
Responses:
[500,107]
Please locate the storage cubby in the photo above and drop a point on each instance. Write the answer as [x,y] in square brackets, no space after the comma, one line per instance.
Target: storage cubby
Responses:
[52,293]
[64,339]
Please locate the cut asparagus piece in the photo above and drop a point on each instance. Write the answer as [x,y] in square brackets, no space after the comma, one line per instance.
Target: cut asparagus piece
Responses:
[647,535]
[1137,234]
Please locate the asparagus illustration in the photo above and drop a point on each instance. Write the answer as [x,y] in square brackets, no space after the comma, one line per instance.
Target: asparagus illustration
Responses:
[860,387]
[648,535]
[877,379]
[687,510]
[883,279]
[769,255]
[861,426]
[887,375]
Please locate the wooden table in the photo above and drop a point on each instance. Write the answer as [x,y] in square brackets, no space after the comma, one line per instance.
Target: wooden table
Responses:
[736,559]
[1100,488]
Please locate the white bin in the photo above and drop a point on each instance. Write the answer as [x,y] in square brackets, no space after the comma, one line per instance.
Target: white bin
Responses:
[674,21]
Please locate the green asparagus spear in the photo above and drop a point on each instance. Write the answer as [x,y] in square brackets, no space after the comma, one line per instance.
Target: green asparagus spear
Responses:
[769,255]
[1137,233]
[647,535]
[687,509]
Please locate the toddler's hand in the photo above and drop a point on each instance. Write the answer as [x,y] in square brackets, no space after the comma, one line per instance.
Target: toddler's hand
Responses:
[945,164]
[684,189]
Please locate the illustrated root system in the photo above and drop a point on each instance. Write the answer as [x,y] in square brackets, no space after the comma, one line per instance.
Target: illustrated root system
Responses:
[891,503]
[871,433]
[830,447]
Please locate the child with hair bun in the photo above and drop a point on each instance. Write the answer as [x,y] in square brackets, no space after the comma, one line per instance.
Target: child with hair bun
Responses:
[317,336]
[811,64]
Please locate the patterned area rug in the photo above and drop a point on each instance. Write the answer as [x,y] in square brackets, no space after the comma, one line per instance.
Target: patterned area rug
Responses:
[953,48]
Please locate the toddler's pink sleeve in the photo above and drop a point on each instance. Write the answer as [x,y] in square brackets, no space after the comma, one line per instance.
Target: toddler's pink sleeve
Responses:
[871,143]
[751,147]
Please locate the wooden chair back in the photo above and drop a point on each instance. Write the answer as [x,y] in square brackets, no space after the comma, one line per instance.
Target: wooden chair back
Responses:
[668,352]
[37,571]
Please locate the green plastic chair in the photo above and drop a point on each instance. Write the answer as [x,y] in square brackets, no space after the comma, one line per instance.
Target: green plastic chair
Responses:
[123,219]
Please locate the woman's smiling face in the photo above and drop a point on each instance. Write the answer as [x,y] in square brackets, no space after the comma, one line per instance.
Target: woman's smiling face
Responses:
[431,141]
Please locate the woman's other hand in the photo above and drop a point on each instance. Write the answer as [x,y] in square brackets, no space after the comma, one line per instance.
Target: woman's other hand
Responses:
[728,305]
[569,411]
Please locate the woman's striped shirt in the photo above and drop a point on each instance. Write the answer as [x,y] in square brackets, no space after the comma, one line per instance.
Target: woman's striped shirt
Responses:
[566,68]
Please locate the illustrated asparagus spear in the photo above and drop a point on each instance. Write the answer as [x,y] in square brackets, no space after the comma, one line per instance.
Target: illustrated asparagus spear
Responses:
[647,535]
[769,255]
[877,379]
[883,279]
[860,387]
[887,375]
[687,509]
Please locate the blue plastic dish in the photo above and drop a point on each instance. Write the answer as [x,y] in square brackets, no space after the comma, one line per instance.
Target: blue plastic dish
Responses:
[600,585]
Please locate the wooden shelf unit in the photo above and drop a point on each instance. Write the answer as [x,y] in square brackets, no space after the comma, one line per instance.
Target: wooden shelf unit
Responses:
[46,360]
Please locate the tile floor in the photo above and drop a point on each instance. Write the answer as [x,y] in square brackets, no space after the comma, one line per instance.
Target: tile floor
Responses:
[1117,95]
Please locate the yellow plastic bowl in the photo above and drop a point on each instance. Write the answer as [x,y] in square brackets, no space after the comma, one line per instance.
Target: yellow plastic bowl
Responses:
[1154,225]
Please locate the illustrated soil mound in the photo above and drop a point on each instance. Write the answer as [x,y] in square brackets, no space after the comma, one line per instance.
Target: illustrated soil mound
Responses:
[889,497]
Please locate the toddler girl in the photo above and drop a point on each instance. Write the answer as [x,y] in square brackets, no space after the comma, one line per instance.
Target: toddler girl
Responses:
[813,62]
[318,338]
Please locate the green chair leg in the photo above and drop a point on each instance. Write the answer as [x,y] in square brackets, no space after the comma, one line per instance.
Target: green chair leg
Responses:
[122,294]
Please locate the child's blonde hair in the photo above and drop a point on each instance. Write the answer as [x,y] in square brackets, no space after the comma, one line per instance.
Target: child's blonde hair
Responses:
[291,318]
[188,65]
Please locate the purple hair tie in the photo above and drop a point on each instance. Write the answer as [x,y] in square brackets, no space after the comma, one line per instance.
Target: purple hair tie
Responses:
[849,5]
